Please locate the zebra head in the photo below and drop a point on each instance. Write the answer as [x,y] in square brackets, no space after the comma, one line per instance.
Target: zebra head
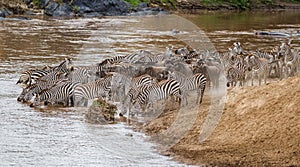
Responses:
[169,51]
[25,79]
[35,101]
[182,51]
[237,48]
[21,97]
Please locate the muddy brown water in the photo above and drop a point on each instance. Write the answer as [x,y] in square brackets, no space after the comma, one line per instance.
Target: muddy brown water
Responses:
[59,136]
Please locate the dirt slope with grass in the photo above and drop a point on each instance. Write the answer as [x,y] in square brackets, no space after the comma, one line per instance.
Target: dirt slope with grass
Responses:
[260,126]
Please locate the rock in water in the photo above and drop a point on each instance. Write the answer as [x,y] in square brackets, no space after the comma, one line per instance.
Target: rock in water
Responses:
[101,112]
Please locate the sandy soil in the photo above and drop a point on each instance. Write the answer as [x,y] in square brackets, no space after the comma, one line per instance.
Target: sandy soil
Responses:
[260,126]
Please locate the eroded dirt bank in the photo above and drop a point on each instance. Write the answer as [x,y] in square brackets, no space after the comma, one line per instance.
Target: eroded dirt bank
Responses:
[259,127]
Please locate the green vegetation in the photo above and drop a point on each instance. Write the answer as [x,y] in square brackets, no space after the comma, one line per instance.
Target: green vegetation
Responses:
[36,2]
[169,3]
[242,4]
[106,107]
[135,3]
[76,9]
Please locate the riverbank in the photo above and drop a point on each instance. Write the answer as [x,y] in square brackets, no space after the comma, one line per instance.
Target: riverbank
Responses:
[71,8]
[259,127]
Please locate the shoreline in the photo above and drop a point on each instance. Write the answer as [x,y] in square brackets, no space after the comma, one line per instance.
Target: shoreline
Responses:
[257,131]
[13,9]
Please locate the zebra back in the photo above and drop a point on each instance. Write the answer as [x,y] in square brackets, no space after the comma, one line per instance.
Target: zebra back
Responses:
[100,87]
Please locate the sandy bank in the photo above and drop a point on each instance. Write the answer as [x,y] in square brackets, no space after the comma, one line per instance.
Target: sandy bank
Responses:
[260,126]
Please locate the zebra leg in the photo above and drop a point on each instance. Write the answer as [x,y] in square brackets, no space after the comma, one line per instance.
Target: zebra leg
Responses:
[252,78]
[72,100]
[85,102]
[198,96]
[265,78]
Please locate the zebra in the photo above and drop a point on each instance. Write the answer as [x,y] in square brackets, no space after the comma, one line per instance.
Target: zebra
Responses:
[158,91]
[137,84]
[237,72]
[187,53]
[120,84]
[274,62]
[258,66]
[194,82]
[158,58]
[52,76]
[25,78]
[98,88]
[290,58]
[113,60]
[30,90]
[95,71]
[80,75]
[237,48]
[64,66]
[32,76]
[60,93]
[137,56]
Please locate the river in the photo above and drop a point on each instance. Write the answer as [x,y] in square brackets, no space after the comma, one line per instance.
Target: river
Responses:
[48,136]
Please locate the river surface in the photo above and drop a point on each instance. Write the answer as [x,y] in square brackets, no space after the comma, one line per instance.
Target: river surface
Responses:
[60,136]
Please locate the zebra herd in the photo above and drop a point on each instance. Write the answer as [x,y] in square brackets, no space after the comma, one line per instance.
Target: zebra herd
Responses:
[144,77]
[139,78]
[242,66]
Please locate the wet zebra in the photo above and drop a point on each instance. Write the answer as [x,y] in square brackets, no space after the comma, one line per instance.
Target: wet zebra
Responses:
[33,89]
[30,77]
[80,75]
[158,91]
[98,88]
[64,66]
[95,71]
[137,84]
[194,82]
[52,76]
[120,84]
[60,93]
